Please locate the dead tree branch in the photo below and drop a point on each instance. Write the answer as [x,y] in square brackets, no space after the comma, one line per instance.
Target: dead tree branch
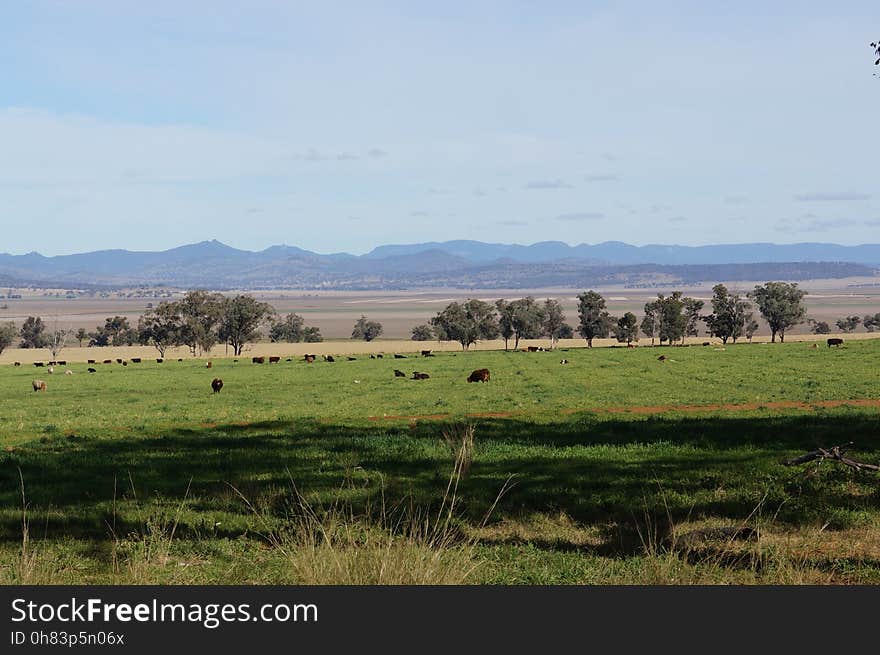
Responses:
[835,453]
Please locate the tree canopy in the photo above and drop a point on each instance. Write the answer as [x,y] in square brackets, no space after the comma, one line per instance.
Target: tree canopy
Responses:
[781,304]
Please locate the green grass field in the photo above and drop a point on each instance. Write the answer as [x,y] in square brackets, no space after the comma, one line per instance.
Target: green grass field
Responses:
[300,472]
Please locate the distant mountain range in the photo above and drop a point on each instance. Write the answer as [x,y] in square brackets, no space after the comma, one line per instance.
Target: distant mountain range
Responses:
[462,264]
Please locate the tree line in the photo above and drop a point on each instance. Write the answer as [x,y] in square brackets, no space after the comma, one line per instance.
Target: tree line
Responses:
[201,320]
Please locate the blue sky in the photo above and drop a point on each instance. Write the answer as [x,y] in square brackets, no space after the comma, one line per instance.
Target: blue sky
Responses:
[342,126]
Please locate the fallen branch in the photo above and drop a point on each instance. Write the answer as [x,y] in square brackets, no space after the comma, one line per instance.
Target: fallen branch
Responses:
[835,453]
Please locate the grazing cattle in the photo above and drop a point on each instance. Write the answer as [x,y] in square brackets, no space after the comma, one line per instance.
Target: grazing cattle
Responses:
[62,362]
[427,353]
[159,360]
[532,349]
[108,361]
[480,375]
[707,343]
[180,359]
[216,385]
[208,364]
[661,358]
[38,364]
[352,359]
[834,341]
[372,357]
[420,376]
[329,358]
[68,372]
[286,360]
[17,364]
[39,385]
[258,360]
[53,363]
[274,360]
[398,356]
[50,370]
[399,374]
[564,361]
[91,361]
[310,359]
[119,360]
[135,360]
[379,356]
[125,362]
[93,370]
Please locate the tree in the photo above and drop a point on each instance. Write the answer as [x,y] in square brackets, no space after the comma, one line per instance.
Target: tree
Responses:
[505,320]
[650,321]
[366,330]
[849,323]
[554,324]
[160,327]
[595,322]
[729,314]
[289,330]
[32,333]
[200,313]
[875,47]
[751,328]
[692,308]
[626,329]
[56,341]
[781,304]
[8,334]
[819,327]
[240,320]
[466,323]
[871,323]
[80,336]
[116,331]
[422,332]
[312,335]
[526,318]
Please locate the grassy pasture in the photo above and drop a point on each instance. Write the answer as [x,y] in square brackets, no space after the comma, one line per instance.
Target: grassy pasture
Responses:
[141,474]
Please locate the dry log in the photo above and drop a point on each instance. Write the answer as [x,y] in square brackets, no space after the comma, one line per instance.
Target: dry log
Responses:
[835,453]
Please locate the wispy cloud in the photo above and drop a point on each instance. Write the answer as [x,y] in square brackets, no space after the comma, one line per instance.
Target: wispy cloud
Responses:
[580,216]
[548,184]
[837,196]
[816,225]
[513,223]
[602,177]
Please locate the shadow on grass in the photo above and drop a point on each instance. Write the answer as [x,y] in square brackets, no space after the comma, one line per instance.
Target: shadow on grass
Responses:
[597,470]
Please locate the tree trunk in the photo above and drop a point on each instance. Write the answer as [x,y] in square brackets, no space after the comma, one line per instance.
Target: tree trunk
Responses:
[772,335]
[589,342]
[782,336]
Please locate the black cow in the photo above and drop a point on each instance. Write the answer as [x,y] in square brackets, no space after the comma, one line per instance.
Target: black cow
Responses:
[399,374]
[834,341]
[216,385]
[480,375]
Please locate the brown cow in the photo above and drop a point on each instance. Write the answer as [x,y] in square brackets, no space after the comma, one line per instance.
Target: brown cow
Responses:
[399,374]
[216,385]
[258,360]
[834,341]
[480,375]
[208,364]
[273,359]
[310,359]
[39,385]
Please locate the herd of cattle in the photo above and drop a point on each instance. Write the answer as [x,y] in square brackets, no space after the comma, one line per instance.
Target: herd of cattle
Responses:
[479,375]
